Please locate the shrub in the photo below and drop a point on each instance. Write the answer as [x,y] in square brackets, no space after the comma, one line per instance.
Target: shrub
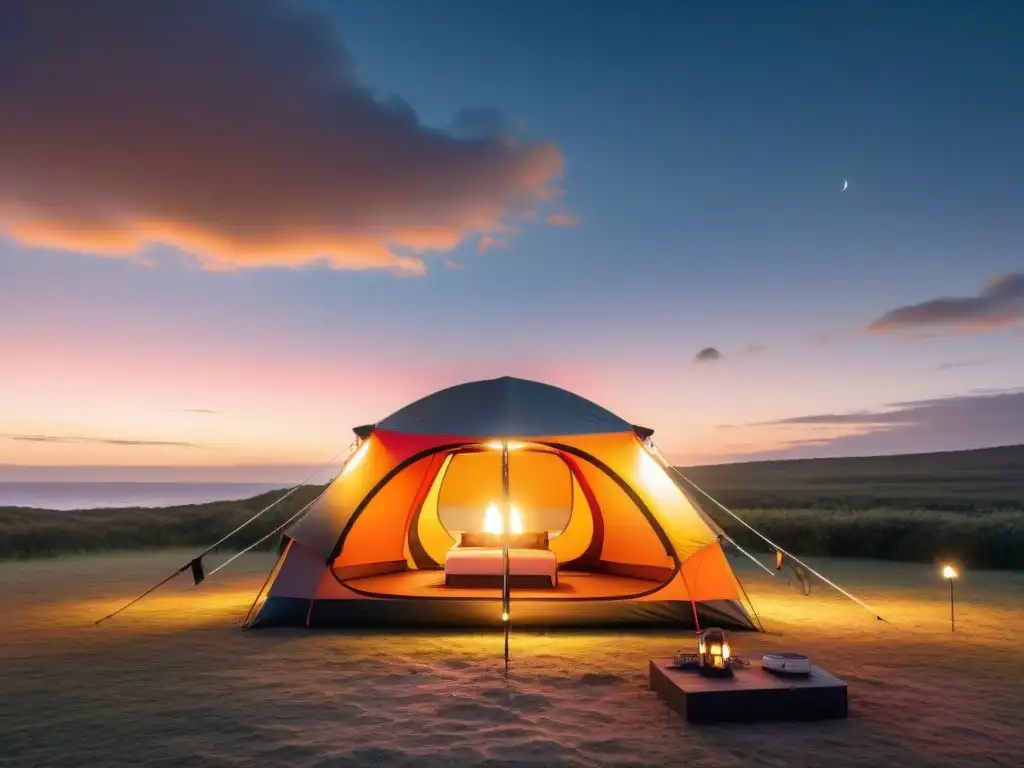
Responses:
[979,540]
[28,533]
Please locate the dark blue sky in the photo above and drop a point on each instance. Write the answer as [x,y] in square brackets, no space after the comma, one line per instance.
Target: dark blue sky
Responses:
[715,137]
[705,149]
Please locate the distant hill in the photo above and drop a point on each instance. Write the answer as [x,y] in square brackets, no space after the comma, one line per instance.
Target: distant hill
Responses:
[966,505]
[976,480]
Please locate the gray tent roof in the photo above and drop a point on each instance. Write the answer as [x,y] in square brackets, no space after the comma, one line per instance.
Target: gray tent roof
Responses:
[505,407]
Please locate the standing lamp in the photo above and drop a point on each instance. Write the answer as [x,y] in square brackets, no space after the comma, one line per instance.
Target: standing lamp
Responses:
[949,573]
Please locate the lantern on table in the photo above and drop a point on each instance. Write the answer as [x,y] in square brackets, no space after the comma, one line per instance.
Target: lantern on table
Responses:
[713,653]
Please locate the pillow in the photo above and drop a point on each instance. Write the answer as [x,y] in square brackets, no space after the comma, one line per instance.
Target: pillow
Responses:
[515,540]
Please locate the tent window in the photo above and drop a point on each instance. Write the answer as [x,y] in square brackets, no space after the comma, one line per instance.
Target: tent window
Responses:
[540,486]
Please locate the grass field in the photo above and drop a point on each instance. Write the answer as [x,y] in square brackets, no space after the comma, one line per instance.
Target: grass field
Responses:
[967,506]
[26,533]
[173,682]
[976,540]
[957,481]
[964,505]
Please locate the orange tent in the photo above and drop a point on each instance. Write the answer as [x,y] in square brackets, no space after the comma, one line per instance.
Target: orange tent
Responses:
[411,531]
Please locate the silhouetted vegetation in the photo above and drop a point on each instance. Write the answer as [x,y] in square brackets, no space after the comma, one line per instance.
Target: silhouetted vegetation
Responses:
[968,505]
[982,540]
[28,533]
[957,481]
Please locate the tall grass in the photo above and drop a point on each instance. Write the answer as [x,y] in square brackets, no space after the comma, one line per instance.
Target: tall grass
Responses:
[959,481]
[26,533]
[967,505]
[980,540]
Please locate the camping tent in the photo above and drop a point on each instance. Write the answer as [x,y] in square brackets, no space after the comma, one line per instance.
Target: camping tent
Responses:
[409,533]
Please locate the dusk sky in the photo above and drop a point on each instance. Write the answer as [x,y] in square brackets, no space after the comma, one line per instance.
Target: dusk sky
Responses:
[231,231]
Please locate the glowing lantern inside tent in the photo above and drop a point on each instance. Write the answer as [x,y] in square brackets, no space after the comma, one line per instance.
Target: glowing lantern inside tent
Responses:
[713,652]
[492,519]
[493,522]
[497,445]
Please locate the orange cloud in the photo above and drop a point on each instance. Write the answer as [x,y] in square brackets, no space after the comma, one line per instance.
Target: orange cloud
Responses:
[237,132]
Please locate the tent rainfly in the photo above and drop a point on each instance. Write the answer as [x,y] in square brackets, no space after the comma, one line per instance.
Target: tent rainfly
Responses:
[413,532]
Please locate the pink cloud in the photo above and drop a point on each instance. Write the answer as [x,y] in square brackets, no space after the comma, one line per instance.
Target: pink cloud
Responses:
[239,133]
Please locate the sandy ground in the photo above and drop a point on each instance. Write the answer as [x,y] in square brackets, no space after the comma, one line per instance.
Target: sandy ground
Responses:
[174,682]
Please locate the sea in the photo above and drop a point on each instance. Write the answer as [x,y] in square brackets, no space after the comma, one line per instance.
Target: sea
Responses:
[96,495]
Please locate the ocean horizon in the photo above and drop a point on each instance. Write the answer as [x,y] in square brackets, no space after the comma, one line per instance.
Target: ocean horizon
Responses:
[64,496]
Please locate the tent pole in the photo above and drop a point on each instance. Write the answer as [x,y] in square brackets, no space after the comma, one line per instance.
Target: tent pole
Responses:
[752,559]
[760,535]
[506,526]
[266,582]
[267,508]
[279,528]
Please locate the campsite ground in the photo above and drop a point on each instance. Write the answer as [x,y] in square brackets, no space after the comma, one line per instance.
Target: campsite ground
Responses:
[174,682]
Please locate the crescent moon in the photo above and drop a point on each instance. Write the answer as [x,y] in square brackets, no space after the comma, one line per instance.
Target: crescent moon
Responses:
[845,185]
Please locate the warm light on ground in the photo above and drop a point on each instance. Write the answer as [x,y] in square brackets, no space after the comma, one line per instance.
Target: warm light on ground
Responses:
[70,686]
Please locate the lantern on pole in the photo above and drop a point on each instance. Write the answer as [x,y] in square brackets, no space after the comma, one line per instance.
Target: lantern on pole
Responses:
[949,573]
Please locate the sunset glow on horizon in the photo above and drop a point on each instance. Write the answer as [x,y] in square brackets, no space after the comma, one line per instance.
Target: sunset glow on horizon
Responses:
[236,264]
